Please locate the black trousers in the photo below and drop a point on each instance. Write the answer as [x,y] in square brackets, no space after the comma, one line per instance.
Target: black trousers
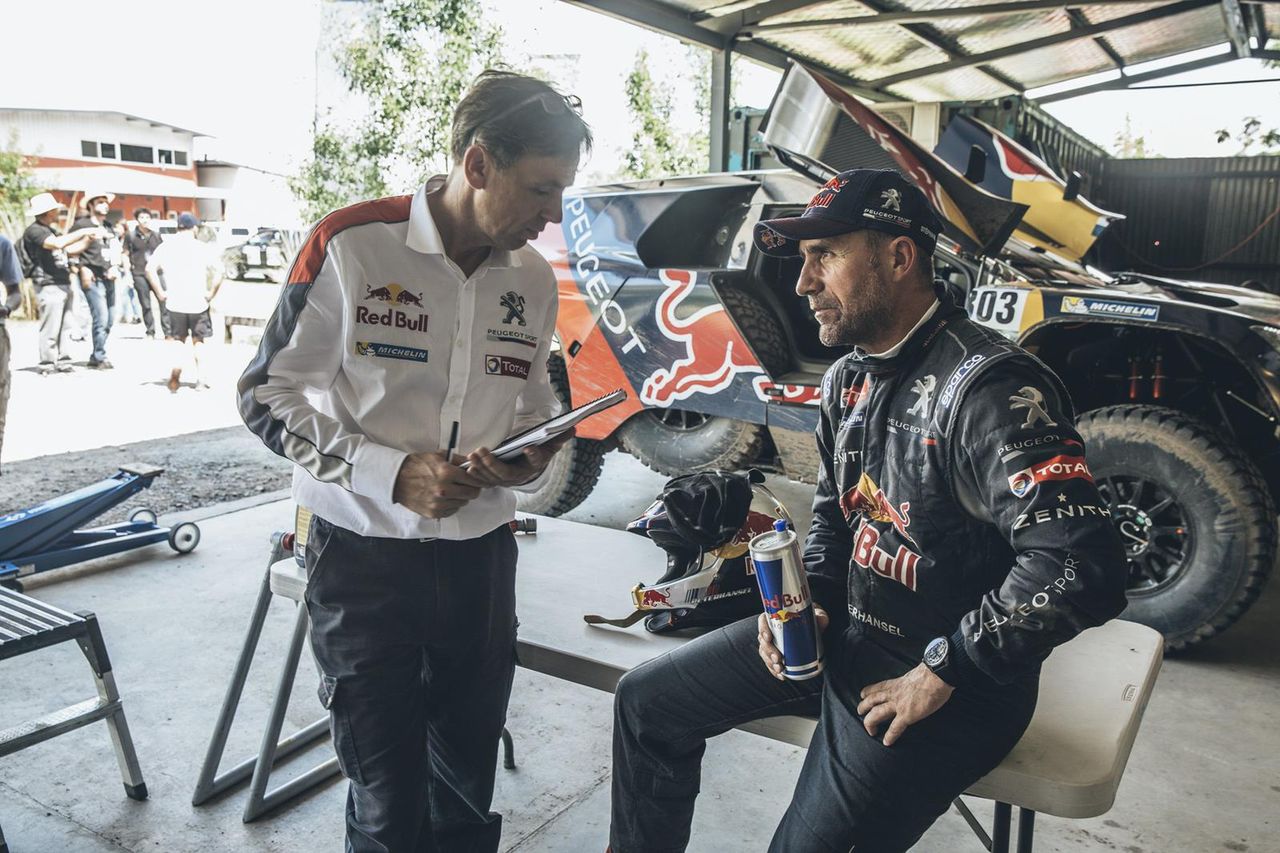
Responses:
[143,288]
[416,646]
[853,794]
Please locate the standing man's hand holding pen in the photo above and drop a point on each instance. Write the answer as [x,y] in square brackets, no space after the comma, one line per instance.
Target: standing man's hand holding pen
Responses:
[431,485]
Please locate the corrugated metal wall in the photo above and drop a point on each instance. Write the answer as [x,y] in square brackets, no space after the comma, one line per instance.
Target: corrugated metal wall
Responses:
[1185,215]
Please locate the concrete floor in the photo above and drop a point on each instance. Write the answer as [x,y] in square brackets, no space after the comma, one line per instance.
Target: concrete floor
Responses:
[1203,775]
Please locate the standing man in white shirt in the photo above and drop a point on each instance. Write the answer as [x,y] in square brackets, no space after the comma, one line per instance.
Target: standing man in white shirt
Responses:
[193,275]
[394,342]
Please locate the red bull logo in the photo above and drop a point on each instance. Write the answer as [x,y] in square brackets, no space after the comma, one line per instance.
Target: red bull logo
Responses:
[646,598]
[714,350]
[899,566]
[393,293]
[869,499]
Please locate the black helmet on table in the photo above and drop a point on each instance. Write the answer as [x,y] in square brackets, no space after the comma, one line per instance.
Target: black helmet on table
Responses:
[703,522]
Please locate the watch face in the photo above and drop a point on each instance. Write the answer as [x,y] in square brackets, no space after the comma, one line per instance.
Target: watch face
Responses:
[936,652]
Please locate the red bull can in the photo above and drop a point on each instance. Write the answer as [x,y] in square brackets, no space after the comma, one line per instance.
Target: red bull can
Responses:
[788,607]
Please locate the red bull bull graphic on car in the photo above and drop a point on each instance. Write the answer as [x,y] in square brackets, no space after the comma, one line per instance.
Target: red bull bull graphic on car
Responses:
[665,335]
[714,351]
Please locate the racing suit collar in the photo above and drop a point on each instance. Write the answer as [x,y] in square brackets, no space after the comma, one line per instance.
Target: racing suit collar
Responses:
[943,311]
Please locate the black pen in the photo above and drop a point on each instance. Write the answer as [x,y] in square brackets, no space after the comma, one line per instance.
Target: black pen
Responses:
[453,443]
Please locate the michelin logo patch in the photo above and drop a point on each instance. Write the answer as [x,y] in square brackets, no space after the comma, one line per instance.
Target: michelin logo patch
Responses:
[502,365]
[1107,308]
[376,350]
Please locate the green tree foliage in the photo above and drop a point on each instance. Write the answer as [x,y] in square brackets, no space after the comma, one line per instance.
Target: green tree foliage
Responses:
[17,186]
[1129,145]
[410,63]
[1252,138]
[657,148]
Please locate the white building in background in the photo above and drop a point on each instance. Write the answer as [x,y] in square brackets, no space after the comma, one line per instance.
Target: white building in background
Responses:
[243,196]
[145,163]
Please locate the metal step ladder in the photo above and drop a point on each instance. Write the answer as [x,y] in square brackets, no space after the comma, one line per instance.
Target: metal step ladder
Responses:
[27,625]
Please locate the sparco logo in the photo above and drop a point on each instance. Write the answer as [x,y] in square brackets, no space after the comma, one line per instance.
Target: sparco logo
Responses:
[956,378]
[392,318]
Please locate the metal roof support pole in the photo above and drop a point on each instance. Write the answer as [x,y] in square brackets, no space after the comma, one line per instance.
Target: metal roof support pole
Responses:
[1237,28]
[721,86]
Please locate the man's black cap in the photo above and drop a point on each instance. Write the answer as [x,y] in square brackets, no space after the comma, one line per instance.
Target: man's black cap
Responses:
[879,199]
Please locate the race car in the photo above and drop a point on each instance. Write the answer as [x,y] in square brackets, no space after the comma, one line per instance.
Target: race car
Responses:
[1177,383]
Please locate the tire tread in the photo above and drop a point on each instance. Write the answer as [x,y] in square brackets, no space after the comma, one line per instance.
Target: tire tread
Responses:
[1253,489]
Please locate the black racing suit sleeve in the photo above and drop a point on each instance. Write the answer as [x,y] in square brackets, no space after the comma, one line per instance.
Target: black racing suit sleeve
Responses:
[829,545]
[1021,464]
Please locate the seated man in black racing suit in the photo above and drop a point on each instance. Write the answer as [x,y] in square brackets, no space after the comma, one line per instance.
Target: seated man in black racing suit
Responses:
[957,538]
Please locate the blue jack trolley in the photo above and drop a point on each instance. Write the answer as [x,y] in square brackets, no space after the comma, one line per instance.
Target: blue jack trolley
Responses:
[49,535]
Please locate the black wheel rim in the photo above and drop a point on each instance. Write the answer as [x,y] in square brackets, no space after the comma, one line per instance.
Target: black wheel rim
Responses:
[1153,527]
[679,419]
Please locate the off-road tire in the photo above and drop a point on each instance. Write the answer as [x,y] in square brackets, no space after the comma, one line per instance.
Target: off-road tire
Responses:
[574,471]
[1230,519]
[665,442]
[760,326]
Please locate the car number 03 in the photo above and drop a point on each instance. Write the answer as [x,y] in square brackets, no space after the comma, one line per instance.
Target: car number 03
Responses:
[999,308]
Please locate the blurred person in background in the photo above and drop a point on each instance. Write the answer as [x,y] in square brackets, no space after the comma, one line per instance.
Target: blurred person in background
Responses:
[140,243]
[193,272]
[50,252]
[10,279]
[96,272]
[127,308]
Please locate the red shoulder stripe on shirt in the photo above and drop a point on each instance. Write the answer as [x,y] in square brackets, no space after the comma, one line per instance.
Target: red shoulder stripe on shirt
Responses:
[311,257]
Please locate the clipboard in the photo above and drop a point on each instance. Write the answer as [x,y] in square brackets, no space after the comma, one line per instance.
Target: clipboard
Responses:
[511,449]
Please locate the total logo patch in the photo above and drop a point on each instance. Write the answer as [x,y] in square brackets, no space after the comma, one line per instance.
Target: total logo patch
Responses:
[372,349]
[505,365]
[1057,468]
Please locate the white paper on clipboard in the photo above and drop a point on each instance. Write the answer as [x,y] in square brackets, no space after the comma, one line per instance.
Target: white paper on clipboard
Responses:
[549,429]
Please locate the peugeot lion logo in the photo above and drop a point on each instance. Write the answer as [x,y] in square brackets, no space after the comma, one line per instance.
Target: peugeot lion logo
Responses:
[1033,401]
[892,200]
[923,389]
[514,303]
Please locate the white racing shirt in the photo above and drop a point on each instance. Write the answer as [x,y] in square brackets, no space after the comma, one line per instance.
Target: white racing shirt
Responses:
[379,344]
